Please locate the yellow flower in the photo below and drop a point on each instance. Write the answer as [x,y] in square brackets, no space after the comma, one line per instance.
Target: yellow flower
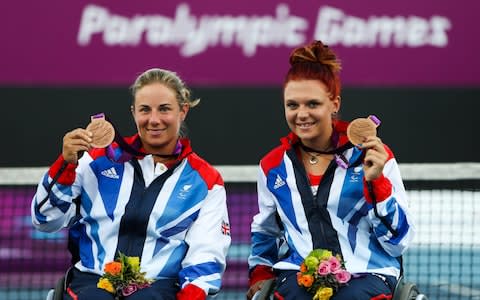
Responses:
[105,284]
[323,293]
[134,262]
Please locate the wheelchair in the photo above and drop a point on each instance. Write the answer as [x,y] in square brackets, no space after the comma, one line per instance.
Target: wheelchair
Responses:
[57,292]
[404,290]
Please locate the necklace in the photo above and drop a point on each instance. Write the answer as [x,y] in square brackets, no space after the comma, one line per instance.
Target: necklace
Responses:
[337,153]
[313,160]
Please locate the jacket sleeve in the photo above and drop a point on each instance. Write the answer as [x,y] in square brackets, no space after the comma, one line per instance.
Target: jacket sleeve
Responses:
[208,239]
[265,229]
[392,207]
[52,205]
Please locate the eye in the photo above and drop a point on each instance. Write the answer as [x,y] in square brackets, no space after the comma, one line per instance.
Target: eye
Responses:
[291,105]
[313,103]
[144,109]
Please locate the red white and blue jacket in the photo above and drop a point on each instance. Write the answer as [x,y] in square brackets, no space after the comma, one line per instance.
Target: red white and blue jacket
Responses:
[174,218]
[340,217]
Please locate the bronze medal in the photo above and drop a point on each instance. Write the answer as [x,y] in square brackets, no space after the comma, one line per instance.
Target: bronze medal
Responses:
[359,129]
[102,130]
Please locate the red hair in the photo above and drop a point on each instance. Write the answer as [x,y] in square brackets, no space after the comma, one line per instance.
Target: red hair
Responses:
[315,61]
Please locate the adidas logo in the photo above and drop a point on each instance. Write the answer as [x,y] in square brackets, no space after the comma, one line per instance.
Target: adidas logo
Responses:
[110,173]
[278,182]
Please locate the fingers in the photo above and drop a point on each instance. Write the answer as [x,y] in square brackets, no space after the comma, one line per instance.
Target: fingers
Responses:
[372,142]
[375,157]
[75,141]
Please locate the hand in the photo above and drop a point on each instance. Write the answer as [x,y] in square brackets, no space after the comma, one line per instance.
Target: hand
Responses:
[255,288]
[375,157]
[75,141]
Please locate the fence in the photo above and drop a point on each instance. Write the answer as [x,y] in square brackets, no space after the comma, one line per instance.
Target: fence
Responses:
[444,259]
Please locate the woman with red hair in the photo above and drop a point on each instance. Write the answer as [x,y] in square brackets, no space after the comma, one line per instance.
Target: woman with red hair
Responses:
[318,191]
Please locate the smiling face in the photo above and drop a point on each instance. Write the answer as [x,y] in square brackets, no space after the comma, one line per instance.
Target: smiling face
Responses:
[158,116]
[308,112]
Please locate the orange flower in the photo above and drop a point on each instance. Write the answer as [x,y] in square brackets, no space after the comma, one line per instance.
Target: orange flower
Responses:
[303,268]
[113,268]
[299,278]
[306,280]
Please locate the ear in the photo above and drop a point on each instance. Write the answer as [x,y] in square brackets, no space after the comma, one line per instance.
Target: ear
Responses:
[337,103]
[184,108]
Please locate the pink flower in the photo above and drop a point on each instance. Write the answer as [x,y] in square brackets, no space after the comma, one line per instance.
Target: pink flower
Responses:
[129,289]
[343,276]
[143,285]
[324,268]
[335,264]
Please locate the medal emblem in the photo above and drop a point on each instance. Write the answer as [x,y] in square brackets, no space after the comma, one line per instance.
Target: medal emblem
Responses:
[361,128]
[102,130]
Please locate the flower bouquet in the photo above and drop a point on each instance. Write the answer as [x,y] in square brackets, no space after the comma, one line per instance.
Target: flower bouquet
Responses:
[322,274]
[123,277]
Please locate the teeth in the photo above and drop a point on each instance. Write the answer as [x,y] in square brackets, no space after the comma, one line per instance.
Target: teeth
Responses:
[305,125]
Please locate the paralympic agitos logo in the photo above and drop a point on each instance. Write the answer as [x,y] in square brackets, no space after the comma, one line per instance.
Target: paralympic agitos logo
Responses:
[195,34]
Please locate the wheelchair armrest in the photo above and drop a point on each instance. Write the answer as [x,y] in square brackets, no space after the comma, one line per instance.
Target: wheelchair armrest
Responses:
[265,292]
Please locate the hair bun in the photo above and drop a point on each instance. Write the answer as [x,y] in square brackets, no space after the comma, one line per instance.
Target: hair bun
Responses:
[316,52]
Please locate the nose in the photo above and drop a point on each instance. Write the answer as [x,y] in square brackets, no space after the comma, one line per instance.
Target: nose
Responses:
[154,118]
[302,112]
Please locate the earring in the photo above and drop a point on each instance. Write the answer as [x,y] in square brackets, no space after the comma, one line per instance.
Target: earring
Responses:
[334,114]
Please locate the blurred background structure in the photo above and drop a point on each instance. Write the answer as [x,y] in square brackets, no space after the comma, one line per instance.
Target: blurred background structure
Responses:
[413,64]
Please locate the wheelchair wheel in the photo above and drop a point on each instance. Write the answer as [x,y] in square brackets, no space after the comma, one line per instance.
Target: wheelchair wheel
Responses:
[410,292]
[265,293]
[405,290]
[59,289]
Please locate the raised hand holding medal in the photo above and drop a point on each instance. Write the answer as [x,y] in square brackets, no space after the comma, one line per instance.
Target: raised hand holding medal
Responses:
[362,132]
[99,133]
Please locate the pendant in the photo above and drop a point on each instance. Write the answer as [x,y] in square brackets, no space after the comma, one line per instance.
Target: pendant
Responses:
[313,160]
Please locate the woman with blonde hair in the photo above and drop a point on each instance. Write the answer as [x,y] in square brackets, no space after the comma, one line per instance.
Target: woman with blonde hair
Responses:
[148,196]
